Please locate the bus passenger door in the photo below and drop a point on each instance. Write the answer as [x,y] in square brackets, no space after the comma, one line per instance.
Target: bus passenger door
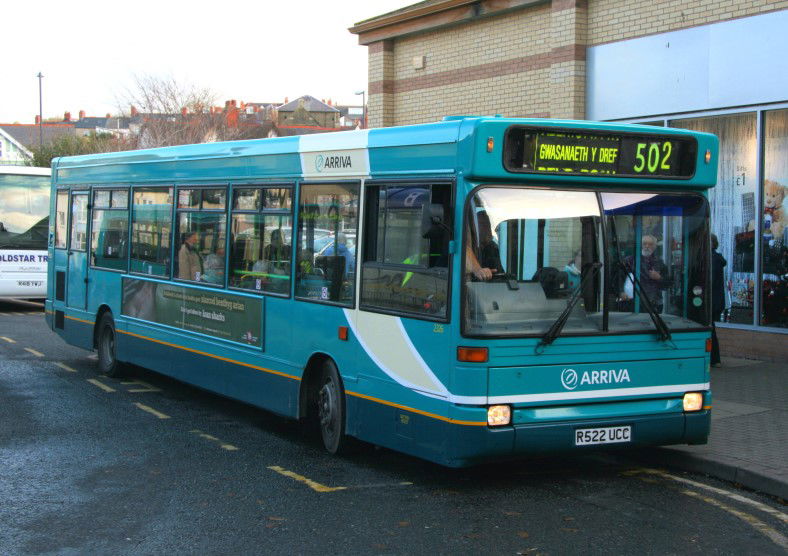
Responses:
[77,264]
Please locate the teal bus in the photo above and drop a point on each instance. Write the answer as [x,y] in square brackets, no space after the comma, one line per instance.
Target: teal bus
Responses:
[475,289]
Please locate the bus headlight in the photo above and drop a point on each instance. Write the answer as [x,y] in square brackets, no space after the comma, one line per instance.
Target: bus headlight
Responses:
[693,401]
[499,415]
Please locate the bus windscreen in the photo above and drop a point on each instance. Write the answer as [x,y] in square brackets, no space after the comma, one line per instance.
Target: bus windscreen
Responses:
[625,155]
[24,211]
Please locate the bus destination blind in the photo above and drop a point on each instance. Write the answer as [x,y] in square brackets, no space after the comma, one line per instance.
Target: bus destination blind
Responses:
[614,155]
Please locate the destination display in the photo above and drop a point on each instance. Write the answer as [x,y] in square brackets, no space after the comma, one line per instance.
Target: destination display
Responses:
[627,155]
[229,317]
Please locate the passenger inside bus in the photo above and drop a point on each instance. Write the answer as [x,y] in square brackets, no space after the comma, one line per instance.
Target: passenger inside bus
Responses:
[214,266]
[277,251]
[190,264]
[340,248]
[572,270]
[653,274]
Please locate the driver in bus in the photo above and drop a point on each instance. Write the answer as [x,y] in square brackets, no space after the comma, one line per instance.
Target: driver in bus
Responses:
[484,260]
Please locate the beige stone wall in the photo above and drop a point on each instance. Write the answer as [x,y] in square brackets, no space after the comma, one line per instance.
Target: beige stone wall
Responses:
[510,95]
[613,20]
[498,65]
[525,62]
[517,34]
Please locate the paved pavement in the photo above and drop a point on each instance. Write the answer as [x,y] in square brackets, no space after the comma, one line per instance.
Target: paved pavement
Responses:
[749,432]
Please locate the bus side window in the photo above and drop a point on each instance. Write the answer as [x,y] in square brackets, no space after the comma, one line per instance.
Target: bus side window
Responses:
[109,231]
[326,254]
[151,230]
[406,258]
[61,220]
[260,241]
[202,224]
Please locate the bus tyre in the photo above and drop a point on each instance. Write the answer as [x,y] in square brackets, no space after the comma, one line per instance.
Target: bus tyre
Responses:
[331,408]
[105,344]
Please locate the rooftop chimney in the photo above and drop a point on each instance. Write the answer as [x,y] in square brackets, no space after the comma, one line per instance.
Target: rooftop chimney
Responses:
[81,114]
[184,111]
[133,111]
[38,119]
[108,115]
[286,100]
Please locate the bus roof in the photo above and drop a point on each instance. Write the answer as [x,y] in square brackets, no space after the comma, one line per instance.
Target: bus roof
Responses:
[458,144]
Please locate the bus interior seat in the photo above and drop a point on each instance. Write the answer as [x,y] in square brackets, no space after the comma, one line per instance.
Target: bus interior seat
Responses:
[332,266]
[555,283]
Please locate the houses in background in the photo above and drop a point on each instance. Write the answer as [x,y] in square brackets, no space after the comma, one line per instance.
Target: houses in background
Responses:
[236,120]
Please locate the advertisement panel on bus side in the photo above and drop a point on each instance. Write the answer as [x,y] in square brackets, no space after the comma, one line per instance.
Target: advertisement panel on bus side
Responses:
[214,313]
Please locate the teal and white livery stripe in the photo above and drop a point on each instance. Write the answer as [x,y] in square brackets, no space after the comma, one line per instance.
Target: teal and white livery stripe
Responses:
[386,342]
[592,394]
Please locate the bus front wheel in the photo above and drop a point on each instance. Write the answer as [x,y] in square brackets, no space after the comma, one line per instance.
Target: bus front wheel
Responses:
[331,408]
[107,361]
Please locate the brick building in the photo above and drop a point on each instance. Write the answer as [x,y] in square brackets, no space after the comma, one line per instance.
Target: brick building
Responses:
[713,65]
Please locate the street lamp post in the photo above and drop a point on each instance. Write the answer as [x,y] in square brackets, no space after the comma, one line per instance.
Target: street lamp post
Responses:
[363,108]
[40,113]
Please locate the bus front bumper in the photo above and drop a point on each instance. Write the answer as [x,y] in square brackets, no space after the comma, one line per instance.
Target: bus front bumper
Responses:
[562,437]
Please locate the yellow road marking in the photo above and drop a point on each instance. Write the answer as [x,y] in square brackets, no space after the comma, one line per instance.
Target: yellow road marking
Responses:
[753,521]
[222,445]
[101,385]
[300,478]
[7,339]
[732,495]
[152,411]
[34,352]
[65,367]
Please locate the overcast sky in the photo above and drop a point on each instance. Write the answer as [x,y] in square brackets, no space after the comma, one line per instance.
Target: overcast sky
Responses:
[249,50]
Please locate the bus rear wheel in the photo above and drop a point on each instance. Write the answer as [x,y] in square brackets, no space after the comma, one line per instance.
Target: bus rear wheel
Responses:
[331,409]
[105,344]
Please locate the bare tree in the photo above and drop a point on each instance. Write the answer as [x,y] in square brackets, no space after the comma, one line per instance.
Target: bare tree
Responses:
[166,111]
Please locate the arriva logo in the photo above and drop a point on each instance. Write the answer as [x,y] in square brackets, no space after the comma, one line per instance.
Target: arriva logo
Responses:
[569,377]
[338,162]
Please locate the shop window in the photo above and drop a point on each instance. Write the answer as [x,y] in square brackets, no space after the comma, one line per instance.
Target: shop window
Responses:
[201,233]
[733,210]
[774,228]
[327,228]
[261,239]
[151,230]
[110,229]
[406,258]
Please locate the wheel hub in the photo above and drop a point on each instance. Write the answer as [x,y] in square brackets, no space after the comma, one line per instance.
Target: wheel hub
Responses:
[326,405]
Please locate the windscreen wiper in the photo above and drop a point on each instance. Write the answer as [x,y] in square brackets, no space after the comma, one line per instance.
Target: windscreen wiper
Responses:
[559,323]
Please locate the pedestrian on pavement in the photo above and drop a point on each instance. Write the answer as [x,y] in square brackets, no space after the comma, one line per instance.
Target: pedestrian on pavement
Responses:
[718,264]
